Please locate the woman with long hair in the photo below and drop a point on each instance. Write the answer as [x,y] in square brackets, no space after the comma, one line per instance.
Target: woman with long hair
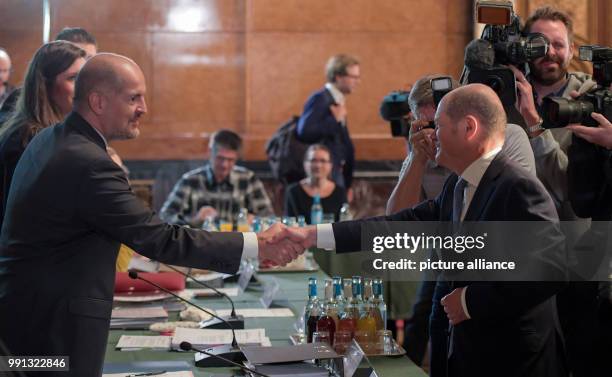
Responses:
[45,100]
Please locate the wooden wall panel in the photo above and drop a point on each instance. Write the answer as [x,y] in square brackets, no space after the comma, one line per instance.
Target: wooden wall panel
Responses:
[249,65]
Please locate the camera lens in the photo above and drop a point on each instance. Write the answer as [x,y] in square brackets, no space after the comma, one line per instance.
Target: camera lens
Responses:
[559,112]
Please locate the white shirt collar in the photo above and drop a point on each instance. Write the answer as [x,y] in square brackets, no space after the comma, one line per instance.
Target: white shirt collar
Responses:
[473,173]
[337,94]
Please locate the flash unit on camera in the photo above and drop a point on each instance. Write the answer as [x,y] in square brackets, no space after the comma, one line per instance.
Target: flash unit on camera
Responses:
[494,12]
[441,83]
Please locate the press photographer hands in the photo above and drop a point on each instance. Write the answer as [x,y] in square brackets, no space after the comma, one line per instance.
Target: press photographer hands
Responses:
[601,135]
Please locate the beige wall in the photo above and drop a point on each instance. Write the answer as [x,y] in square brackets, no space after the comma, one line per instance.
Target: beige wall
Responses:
[249,65]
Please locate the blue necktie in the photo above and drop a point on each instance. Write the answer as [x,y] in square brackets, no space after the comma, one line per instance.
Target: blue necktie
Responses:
[458,195]
[458,199]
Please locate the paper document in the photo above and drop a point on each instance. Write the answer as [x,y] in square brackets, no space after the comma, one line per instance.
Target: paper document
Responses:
[210,276]
[148,312]
[258,312]
[183,373]
[134,342]
[140,297]
[205,292]
[198,337]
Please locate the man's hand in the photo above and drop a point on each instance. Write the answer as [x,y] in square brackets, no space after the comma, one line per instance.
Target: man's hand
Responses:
[206,211]
[453,308]
[279,246]
[339,112]
[525,103]
[422,146]
[601,135]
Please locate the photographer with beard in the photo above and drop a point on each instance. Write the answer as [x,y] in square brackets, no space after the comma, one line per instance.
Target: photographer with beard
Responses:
[549,77]
[578,305]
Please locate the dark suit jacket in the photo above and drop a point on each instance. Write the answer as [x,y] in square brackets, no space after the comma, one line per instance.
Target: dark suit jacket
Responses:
[12,145]
[69,208]
[512,329]
[318,125]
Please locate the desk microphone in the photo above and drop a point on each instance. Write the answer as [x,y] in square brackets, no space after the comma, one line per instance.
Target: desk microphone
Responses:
[186,346]
[224,351]
[236,321]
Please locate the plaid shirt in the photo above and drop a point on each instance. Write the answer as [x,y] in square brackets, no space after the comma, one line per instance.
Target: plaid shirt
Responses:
[198,188]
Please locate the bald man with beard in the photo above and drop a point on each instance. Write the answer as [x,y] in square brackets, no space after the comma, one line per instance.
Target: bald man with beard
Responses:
[70,207]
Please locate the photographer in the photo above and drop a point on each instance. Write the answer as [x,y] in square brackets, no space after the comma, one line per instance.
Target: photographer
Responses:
[421,178]
[549,76]
[578,305]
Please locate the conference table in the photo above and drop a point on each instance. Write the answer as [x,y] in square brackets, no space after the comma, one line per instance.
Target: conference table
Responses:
[292,294]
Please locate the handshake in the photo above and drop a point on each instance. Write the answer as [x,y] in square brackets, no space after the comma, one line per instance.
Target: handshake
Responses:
[279,245]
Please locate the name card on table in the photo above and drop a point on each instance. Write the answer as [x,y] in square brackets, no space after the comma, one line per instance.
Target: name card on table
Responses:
[271,295]
[245,276]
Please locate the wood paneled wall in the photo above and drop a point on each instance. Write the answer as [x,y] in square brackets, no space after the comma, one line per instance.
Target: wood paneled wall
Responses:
[248,65]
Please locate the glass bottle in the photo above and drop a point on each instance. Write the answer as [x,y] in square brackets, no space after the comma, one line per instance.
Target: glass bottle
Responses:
[327,320]
[348,321]
[316,211]
[367,321]
[357,300]
[242,222]
[312,309]
[380,313]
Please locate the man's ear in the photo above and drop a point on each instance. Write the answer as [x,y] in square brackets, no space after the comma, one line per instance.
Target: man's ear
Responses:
[96,102]
[471,127]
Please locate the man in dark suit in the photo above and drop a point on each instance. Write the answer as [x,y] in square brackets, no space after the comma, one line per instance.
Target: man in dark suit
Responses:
[69,208]
[498,328]
[324,117]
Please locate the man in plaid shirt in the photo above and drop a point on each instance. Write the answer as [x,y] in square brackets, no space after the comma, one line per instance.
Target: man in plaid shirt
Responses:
[218,189]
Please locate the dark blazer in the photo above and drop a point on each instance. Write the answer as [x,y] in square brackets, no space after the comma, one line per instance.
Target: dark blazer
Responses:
[512,330]
[69,208]
[318,125]
[12,145]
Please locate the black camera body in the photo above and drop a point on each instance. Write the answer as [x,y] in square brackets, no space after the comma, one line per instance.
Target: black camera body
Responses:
[559,111]
[501,43]
[395,108]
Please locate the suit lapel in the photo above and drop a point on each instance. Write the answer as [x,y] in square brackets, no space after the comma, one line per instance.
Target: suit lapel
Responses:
[486,187]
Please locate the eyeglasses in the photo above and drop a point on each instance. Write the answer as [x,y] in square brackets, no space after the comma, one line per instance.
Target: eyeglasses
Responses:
[318,161]
[225,159]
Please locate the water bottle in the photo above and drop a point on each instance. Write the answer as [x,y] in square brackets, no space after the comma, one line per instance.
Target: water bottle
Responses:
[316,211]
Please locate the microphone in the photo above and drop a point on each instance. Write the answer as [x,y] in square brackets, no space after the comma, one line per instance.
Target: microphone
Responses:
[236,321]
[186,346]
[479,55]
[231,352]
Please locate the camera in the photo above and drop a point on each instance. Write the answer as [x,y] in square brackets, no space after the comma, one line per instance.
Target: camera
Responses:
[503,31]
[395,108]
[559,112]
[501,42]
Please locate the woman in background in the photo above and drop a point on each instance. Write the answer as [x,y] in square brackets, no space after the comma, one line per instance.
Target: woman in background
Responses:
[299,196]
[45,99]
